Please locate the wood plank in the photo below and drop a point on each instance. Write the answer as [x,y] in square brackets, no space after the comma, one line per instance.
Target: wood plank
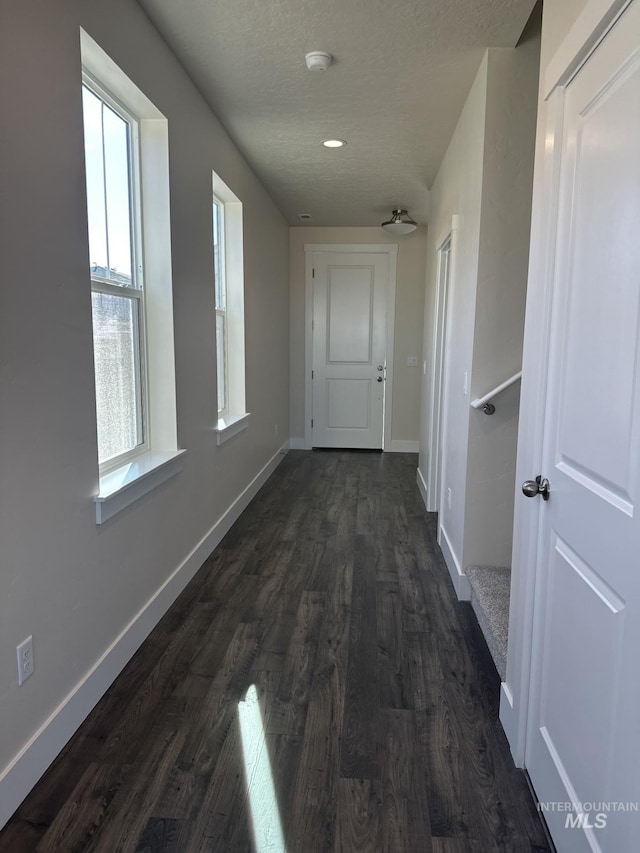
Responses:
[313,812]
[405,824]
[163,835]
[294,684]
[279,626]
[84,813]
[360,756]
[133,804]
[359,820]
[393,669]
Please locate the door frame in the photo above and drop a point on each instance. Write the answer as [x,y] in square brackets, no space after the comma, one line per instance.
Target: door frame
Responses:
[390,249]
[591,26]
[434,475]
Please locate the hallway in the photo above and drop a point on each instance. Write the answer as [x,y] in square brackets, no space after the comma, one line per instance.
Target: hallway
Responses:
[329,600]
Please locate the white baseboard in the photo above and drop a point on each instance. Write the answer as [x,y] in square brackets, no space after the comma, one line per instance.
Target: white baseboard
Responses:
[509,721]
[405,447]
[458,578]
[422,488]
[30,763]
[395,446]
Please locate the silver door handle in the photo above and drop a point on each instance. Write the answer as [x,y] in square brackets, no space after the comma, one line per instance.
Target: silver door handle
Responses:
[380,368]
[533,488]
[379,378]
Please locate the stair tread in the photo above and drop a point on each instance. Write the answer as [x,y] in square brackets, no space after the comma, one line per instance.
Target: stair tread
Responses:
[490,591]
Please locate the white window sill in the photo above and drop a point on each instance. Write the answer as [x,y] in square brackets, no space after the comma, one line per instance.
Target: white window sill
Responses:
[230,425]
[120,488]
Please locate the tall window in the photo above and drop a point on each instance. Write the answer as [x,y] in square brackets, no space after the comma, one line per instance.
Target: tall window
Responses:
[228,269]
[117,295]
[219,272]
[127,160]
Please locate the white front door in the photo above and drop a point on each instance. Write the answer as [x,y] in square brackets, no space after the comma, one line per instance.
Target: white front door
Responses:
[349,349]
[583,734]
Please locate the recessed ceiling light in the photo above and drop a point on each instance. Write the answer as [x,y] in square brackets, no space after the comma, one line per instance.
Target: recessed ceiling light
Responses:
[333,143]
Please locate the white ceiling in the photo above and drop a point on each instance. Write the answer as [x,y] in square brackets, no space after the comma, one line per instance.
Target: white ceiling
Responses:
[402,70]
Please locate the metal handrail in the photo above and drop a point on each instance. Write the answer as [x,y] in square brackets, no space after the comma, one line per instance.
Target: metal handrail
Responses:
[485,403]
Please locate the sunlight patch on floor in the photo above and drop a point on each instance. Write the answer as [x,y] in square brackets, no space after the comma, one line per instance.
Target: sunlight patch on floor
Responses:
[267,829]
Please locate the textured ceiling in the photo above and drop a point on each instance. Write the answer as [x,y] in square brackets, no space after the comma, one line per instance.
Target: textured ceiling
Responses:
[402,70]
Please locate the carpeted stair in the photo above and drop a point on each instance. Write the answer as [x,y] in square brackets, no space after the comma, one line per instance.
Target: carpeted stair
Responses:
[490,588]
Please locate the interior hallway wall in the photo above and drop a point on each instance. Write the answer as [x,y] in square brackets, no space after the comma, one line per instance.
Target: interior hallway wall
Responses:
[505,226]
[486,181]
[76,587]
[408,321]
[457,191]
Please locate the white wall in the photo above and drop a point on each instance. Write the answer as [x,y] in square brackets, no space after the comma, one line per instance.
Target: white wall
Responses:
[557,19]
[408,321]
[486,179]
[510,127]
[457,190]
[71,584]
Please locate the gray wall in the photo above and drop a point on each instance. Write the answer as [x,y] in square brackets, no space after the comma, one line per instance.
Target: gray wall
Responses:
[507,183]
[485,179]
[457,191]
[71,584]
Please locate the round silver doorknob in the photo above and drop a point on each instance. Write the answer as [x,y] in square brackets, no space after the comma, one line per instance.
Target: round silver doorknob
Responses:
[530,489]
[380,368]
[533,488]
[379,378]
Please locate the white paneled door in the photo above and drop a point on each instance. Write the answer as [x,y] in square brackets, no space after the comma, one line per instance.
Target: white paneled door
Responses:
[349,349]
[583,734]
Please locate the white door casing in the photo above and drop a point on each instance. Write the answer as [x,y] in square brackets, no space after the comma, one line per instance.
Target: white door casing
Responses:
[582,743]
[446,266]
[349,337]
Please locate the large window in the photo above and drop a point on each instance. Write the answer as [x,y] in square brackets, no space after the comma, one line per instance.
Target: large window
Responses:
[126,164]
[111,154]
[228,271]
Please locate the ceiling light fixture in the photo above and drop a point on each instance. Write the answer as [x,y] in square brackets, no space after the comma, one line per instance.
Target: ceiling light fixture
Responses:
[318,60]
[334,143]
[400,223]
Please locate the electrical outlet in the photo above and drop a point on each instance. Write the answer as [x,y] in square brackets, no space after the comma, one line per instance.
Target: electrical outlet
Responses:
[25,660]
[412,361]
[449,498]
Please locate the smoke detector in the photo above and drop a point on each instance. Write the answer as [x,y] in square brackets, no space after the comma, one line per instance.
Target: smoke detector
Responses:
[318,60]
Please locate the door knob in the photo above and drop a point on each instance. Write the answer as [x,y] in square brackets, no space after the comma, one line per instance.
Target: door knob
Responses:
[533,488]
[379,378]
[380,368]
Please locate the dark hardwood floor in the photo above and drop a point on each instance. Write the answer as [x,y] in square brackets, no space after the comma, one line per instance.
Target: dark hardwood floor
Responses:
[321,655]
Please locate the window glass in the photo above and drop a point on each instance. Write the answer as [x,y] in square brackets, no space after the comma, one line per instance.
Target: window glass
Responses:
[116,347]
[218,250]
[118,320]
[228,271]
[118,184]
[94,159]
[108,168]
[221,359]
